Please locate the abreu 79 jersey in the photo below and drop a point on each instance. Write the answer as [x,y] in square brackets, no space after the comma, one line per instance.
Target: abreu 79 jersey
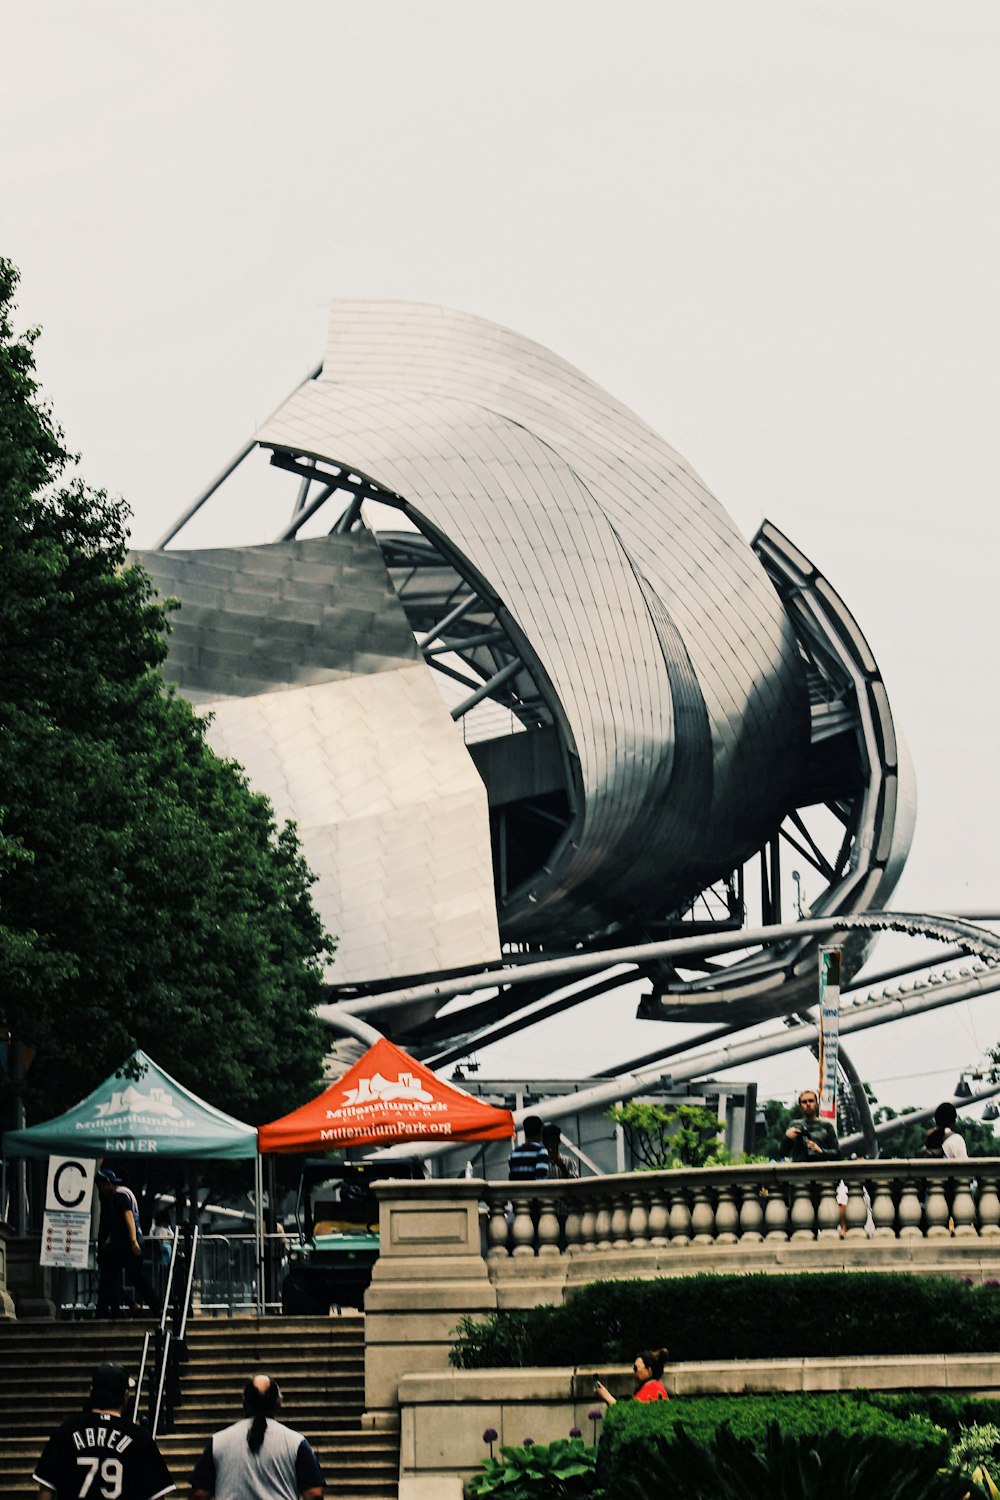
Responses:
[98,1456]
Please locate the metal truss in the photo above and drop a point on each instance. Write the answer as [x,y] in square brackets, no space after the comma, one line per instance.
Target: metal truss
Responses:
[687,1061]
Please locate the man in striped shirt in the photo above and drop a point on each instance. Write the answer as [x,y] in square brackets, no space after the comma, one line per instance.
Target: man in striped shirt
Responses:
[530,1160]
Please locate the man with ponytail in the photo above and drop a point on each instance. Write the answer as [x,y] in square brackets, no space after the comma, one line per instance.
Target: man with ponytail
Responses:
[258,1458]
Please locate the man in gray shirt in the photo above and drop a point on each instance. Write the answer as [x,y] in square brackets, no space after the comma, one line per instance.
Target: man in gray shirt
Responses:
[258,1458]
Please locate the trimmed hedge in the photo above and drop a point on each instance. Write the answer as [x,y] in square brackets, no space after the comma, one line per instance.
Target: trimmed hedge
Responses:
[953,1413]
[757,1316]
[766,1448]
[798,1414]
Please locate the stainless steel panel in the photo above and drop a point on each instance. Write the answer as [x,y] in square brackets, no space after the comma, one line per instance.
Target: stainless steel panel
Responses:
[624,573]
[304,658]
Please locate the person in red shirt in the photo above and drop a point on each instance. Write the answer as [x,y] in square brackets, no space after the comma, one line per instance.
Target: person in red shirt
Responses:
[647,1371]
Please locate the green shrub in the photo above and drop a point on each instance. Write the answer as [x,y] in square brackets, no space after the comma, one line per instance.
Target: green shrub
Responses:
[953,1413]
[740,1317]
[775,1448]
[797,1414]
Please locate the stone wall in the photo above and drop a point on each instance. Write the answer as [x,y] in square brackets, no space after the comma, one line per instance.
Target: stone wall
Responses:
[443,1416]
[463,1246]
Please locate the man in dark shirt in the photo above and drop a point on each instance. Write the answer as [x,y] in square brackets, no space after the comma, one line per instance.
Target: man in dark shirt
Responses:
[808,1138]
[119,1247]
[101,1455]
[529,1160]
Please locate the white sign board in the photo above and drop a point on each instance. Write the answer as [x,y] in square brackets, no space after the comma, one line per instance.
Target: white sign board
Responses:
[66,1228]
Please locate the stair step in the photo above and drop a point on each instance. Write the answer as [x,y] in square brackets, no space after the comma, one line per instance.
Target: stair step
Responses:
[45,1370]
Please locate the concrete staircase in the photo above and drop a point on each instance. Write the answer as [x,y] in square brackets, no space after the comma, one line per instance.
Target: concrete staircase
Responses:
[45,1373]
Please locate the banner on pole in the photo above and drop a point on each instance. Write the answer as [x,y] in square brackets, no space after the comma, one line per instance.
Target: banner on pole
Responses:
[829,1031]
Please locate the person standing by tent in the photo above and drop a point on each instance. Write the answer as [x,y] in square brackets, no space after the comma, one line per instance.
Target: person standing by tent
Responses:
[530,1160]
[119,1248]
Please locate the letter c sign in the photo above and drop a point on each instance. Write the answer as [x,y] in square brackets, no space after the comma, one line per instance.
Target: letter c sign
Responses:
[70,1184]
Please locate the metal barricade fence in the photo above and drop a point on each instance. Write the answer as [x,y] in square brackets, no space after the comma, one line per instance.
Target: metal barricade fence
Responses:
[225,1280]
[226,1274]
[74,1288]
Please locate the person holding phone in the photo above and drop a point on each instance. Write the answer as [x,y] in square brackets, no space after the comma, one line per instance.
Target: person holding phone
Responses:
[647,1373]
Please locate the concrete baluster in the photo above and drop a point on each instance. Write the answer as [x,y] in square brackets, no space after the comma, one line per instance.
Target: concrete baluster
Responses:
[936,1208]
[776,1214]
[680,1217]
[703,1216]
[548,1229]
[638,1220]
[727,1218]
[573,1228]
[828,1212]
[803,1215]
[883,1208]
[989,1206]
[588,1225]
[751,1214]
[857,1210]
[498,1229]
[911,1213]
[658,1218]
[963,1209]
[602,1227]
[523,1229]
[619,1222]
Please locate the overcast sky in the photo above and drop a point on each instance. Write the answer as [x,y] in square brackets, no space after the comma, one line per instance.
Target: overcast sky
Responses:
[770,228]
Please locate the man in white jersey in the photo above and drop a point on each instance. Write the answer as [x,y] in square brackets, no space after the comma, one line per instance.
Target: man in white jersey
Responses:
[101,1455]
[257,1458]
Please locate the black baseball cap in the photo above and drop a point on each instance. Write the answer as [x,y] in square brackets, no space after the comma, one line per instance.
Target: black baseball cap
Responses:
[108,1384]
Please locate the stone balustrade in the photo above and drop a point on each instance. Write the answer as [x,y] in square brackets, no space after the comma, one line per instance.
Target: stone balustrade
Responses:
[768,1204]
[460,1247]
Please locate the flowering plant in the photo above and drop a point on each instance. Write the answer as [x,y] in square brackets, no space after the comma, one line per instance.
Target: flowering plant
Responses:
[563,1470]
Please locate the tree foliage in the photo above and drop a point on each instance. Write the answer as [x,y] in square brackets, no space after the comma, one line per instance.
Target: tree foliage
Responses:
[777,1118]
[662,1136]
[146,896]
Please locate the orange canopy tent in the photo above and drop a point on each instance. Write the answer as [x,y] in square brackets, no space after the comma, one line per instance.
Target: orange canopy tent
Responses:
[384,1098]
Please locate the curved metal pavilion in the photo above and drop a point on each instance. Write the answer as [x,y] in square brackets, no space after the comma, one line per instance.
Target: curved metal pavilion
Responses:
[639,713]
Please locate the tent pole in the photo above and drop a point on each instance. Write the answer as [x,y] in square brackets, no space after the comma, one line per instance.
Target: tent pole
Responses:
[259,1206]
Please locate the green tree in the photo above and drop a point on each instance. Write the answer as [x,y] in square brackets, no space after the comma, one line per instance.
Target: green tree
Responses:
[680,1135]
[777,1118]
[146,896]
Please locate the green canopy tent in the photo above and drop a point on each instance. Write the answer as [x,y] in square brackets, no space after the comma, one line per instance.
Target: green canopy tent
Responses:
[141,1110]
[138,1110]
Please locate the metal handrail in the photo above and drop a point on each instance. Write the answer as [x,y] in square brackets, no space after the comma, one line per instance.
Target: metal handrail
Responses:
[161,1382]
[140,1377]
[164,1310]
[186,1308]
[167,1377]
